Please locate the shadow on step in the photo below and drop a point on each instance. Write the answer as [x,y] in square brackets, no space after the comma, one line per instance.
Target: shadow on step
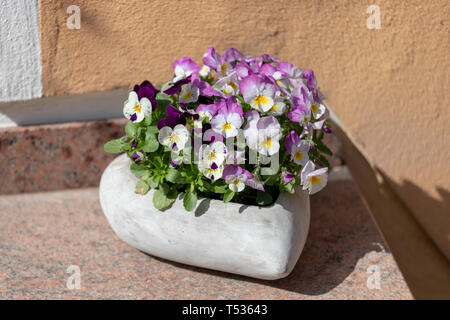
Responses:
[341,233]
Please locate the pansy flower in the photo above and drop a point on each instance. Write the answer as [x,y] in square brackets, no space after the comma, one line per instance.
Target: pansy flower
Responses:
[135,109]
[211,170]
[236,177]
[228,119]
[146,90]
[297,148]
[204,72]
[174,117]
[258,92]
[175,138]
[287,177]
[262,134]
[206,111]
[278,107]
[175,87]
[313,180]
[189,93]
[232,55]
[184,67]
[269,135]
[308,75]
[213,60]
[214,152]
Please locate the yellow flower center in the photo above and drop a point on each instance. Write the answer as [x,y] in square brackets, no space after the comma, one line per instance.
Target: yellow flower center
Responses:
[298,156]
[274,107]
[314,180]
[137,108]
[314,108]
[226,92]
[227,126]
[232,84]
[188,95]
[267,142]
[174,137]
[261,100]
[223,69]
[212,156]
[235,181]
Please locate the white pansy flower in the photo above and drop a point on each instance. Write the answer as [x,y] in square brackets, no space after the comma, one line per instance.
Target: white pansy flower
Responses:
[134,109]
[317,109]
[313,180]
[175,138]
[215,152]
[211,171]
[189,93]
[204,71]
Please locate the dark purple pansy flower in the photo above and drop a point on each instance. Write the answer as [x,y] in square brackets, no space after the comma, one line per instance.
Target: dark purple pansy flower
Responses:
[146,90]
[176,87]
[173,118]
[137,156]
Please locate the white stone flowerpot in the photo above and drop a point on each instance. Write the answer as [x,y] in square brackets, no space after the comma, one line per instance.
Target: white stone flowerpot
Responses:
[259,242]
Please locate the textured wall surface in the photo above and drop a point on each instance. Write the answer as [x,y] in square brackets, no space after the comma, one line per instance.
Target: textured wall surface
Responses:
[390,87]
[20,50]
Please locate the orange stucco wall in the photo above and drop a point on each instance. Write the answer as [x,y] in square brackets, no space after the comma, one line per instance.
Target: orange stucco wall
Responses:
[389,87]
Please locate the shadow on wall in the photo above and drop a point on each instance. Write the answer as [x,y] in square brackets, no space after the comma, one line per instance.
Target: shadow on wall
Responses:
[435,212]
[341,233]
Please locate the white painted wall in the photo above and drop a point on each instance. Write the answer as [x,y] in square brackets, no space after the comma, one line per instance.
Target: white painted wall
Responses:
[20,50]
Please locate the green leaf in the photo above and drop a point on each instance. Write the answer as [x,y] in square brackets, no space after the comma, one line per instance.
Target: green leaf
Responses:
[228,196]
[148,120]
[190,200]
[153,182]
[151,144]
[142,187]
[289,187]
[324,160]
[220,189]
[138,169]
[324,149]
[116,146]
[173,175]
[131,129]
[162,201]
[263,198]
[162,100]
[152,130]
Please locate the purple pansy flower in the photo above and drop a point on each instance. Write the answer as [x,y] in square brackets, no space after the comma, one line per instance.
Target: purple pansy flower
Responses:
[176,86]
[310,79]
[146,90]
[173,118]
[233,55]
[287,177]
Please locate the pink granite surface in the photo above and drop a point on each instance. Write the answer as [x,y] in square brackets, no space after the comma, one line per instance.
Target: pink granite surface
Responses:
[55,156]
[42,234]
